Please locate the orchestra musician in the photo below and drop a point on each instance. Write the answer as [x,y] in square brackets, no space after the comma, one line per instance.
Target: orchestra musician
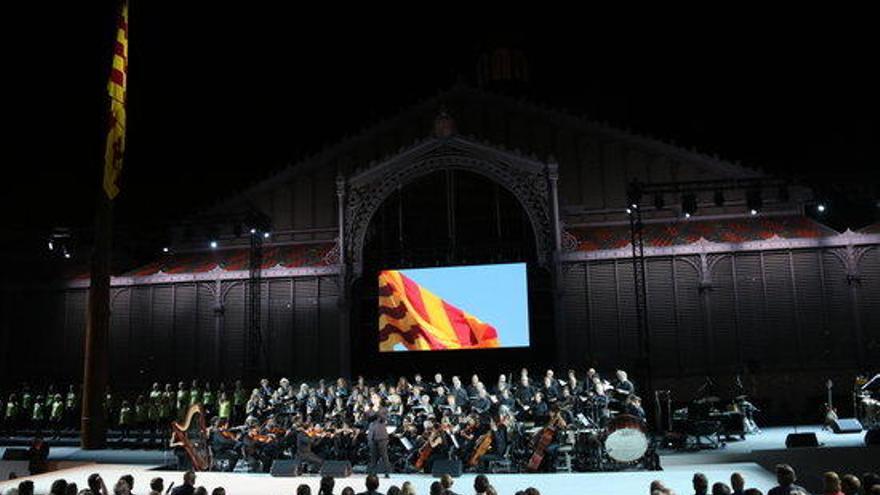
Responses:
[433,421]
[225,443]
[305,437]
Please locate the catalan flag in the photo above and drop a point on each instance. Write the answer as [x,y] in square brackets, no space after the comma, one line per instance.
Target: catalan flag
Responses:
[415,317]
[115,147]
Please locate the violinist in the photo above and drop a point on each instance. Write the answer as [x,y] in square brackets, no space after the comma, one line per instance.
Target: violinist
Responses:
[305,438]
[225,443]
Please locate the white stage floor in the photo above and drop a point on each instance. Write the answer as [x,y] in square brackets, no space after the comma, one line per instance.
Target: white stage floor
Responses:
[624,483]
[747,457]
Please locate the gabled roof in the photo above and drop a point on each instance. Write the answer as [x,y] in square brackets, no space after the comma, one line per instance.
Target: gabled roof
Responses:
[429,107]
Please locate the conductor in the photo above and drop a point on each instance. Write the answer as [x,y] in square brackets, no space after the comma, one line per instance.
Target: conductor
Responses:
[377,434]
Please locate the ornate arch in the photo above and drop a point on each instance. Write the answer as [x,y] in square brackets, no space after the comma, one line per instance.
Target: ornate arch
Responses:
[525,178]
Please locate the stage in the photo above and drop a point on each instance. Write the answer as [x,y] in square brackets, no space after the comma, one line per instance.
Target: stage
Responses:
[754,457]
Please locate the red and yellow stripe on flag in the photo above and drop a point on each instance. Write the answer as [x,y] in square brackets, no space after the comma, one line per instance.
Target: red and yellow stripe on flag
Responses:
[415,317]
[115,147]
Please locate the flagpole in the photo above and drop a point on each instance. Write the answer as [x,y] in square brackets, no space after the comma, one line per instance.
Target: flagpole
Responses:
[97,337]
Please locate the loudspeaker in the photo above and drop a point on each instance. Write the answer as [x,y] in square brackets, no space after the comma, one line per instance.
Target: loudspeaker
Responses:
[846,425]
[872,437]
[452,467]
[15,454]
[801,440]
[337,469]
[283,468]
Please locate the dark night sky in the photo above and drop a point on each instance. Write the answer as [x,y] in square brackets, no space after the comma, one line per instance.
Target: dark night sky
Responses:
[220,95]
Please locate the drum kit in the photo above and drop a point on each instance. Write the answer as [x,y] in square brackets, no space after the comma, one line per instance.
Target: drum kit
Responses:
[624,441]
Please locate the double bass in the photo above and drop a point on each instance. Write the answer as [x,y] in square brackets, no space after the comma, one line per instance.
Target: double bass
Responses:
[434,439]
[544,439]
[484,443]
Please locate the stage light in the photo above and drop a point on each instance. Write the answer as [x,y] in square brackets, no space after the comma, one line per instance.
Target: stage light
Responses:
[66,252]
[265,235]
[719,198]
[67,255]
[754,201]
[820,208]
[634,206]
[253,231]
[688,204]
[629,211]
[213,244]
[166,250]
[51,246]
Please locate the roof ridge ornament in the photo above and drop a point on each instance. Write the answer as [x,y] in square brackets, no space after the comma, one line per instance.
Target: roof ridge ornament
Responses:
[444,124]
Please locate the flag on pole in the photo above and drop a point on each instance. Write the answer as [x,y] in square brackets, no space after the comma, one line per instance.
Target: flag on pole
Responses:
[115,147]
[418,319]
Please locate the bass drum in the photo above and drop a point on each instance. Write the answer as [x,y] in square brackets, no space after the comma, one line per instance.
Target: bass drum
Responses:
[626,438]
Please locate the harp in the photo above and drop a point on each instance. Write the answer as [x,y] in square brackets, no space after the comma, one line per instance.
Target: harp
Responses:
[192,436]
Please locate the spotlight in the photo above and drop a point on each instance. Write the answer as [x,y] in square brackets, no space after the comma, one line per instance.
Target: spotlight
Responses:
[658,201]
[65,252]
[688,204]
[754,201]
[629,211]
[166,250]
[265,235]
[67,255]
[213,244]
[820,208]
[253,231]
[634,194]
[719,198]
[51,246]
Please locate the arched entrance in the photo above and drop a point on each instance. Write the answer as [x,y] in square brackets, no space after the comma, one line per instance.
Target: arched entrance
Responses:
[448,216]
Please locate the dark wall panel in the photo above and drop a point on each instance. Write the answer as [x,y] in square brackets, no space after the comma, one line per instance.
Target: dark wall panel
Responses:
[207,342]
[575,312]
[234,336]
[328,326]
[305,319]
[840,342]
[662,319]
[185,347]
[163,333]
[279,330]
[869,301]
[750,296]
[603,300]
[780,324]
[723,320]
[691,319]
[811,314]
[120,337]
